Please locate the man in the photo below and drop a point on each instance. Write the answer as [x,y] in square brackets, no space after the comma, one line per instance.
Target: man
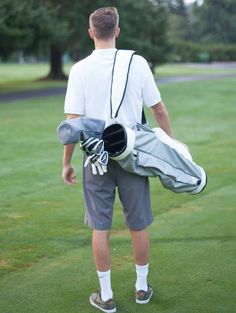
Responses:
[88,94]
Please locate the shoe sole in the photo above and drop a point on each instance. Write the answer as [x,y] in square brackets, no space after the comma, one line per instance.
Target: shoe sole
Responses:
[144,301]
[98,307]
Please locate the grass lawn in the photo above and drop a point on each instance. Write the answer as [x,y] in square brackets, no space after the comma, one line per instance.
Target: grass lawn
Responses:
[46,264]
[15,77]
[182,69]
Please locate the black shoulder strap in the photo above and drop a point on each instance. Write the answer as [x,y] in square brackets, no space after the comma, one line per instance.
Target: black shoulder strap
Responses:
[120,74]
[144,120]
[119,80]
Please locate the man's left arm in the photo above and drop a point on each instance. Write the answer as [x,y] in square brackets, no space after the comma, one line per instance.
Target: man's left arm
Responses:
[161,116]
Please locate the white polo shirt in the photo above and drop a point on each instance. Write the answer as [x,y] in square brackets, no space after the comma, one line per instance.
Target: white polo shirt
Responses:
[89,84]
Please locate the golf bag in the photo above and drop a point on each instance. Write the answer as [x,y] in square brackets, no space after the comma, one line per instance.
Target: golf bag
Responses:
[153,153]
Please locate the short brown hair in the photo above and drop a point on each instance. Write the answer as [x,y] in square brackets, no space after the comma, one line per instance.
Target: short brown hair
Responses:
[104,22]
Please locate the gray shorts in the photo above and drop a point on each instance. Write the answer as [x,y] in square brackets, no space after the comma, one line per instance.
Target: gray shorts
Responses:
[99,193]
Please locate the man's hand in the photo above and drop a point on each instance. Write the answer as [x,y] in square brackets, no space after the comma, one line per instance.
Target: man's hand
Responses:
[68,175]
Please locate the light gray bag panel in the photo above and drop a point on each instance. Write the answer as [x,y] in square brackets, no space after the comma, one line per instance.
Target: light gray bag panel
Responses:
[79,129]
[154,158]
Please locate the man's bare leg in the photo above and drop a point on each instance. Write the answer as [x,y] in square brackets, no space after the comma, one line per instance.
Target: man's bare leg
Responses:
[101,255]
[140,240]
[101,250]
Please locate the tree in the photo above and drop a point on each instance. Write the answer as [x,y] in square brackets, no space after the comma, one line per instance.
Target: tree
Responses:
[209,34]
[62,26]
[149,41]
[64,17]
[214,21]
[25,25]
[178,21]
[144,29]
[29,25]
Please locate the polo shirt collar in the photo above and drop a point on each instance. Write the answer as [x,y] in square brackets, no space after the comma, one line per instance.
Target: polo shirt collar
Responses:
[103,51]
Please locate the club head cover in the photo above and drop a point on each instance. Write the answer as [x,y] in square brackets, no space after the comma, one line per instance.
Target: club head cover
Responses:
[73,130]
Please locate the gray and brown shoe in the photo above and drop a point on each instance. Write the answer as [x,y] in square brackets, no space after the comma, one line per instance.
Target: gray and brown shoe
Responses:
[142,296]
[109,306]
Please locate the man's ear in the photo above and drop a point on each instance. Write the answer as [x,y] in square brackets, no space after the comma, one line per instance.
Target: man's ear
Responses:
[91,34]
[117,32]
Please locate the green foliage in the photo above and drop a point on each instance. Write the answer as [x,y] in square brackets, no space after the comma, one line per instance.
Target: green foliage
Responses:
[202,33]
[215,21]
[27,24]
[186,51]
[150,41]
[47,22]
[152,28]
[178,20]
[143,28]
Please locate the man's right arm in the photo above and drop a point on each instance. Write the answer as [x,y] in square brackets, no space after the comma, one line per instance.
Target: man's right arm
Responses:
[68,171]
[161,116]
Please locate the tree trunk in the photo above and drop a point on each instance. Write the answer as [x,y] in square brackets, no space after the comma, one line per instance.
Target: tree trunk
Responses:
[56,70]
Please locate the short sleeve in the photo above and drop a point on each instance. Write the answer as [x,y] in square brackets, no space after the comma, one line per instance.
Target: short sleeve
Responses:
[151,94]
[74,100]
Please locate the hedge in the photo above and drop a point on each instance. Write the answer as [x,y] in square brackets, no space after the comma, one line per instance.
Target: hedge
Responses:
[184,51]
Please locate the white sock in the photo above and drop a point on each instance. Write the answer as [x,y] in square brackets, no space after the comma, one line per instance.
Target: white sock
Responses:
[105,284]
[142,273]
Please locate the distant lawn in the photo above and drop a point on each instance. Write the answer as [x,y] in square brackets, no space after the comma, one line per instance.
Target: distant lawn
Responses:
[182,69]
[46,263]
[26,71]
[22,85]
[14,77]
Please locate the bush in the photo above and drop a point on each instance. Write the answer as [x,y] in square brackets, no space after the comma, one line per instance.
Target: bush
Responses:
[183,51]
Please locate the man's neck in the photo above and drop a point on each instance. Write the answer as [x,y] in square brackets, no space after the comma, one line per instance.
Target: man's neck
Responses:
[105,44]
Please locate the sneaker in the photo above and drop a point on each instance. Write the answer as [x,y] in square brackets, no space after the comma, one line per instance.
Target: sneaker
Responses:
[109,306]
[143,297]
